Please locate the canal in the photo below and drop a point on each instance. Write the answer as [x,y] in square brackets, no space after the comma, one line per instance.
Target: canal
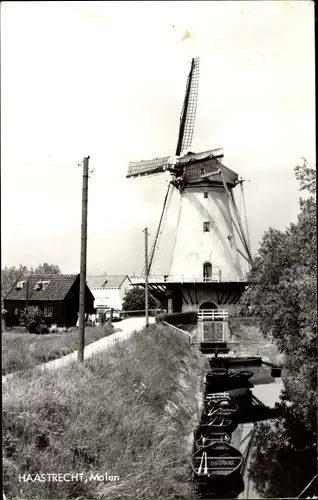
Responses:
[264,472]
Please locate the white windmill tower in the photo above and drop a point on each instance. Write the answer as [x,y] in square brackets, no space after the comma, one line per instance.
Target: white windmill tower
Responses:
[205,269]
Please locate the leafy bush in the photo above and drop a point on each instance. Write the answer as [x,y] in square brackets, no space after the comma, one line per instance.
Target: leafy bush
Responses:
[31,318]
[42,328]
[186,318]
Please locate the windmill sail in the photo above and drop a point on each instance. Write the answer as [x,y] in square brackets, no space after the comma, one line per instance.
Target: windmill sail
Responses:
[189,109]
[147,167]
[158,165]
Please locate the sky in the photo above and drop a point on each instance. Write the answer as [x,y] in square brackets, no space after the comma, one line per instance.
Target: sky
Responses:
[107,79]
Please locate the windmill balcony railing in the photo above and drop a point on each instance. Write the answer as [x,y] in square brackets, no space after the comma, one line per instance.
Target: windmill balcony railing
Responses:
[161,278]
[213,314]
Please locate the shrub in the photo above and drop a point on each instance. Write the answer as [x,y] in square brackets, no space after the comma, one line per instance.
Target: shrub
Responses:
[42,328]
[31,318]
[187,318]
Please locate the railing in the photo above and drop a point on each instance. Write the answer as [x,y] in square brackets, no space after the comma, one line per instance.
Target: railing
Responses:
[212,314]
[179,330]
[215,278]
[152,312]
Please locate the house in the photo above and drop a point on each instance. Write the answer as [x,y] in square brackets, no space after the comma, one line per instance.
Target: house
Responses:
[57,295]
[109,290]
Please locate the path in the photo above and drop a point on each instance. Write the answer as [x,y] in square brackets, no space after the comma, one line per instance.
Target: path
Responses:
[125,328]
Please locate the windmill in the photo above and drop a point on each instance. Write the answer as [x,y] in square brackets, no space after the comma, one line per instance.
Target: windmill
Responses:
[205,269]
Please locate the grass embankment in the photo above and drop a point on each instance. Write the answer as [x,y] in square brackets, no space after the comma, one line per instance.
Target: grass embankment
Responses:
[23,350]
[127,412]
[250,342]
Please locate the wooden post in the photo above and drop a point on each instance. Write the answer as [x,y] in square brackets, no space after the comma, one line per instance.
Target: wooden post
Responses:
[3,323]
[111,316]
[81,342]
[27,297]
[146,276]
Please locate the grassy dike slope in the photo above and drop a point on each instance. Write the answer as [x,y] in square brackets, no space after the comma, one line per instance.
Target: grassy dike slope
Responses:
[128,412]
[23,350]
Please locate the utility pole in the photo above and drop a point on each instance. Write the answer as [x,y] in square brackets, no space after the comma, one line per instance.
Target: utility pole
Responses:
[27,296]
[81,343]
[146,276]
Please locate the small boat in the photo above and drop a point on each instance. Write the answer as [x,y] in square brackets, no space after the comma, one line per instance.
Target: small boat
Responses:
[235,361]
[219,424]
[201,440]
[213,396]
[218,372]
[220,408]
[217,459]
[229,380]
[246,374]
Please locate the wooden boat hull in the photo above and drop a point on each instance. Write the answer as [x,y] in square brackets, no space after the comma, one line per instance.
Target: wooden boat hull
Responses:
[233,361]
[227,382]
[217,459]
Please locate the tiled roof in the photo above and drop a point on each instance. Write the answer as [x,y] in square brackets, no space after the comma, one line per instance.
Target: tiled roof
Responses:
[57,289]
[106,281]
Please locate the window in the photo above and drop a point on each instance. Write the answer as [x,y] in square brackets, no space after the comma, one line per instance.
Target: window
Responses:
[219,331]
[45,284]
[205,194]
[206,227]
[48,311]
[41,285]
[202,171]
[20,285]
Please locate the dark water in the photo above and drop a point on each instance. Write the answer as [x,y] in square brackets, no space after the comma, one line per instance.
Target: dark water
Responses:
[281,458]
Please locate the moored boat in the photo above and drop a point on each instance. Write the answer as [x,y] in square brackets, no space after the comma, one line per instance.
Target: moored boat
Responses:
[200,440]
[220,408]
[219,458]
[228,381]
[235,361]
[219,424]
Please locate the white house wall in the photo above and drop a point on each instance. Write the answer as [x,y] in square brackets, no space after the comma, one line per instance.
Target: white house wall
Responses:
[111,297]
[107,297]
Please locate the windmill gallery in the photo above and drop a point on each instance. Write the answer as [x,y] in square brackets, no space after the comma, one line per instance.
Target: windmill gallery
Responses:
[211,244]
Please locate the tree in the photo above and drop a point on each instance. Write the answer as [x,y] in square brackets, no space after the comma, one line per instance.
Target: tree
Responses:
[9,276]
[282,296]
[47,269]
[135,300]
[284,458]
